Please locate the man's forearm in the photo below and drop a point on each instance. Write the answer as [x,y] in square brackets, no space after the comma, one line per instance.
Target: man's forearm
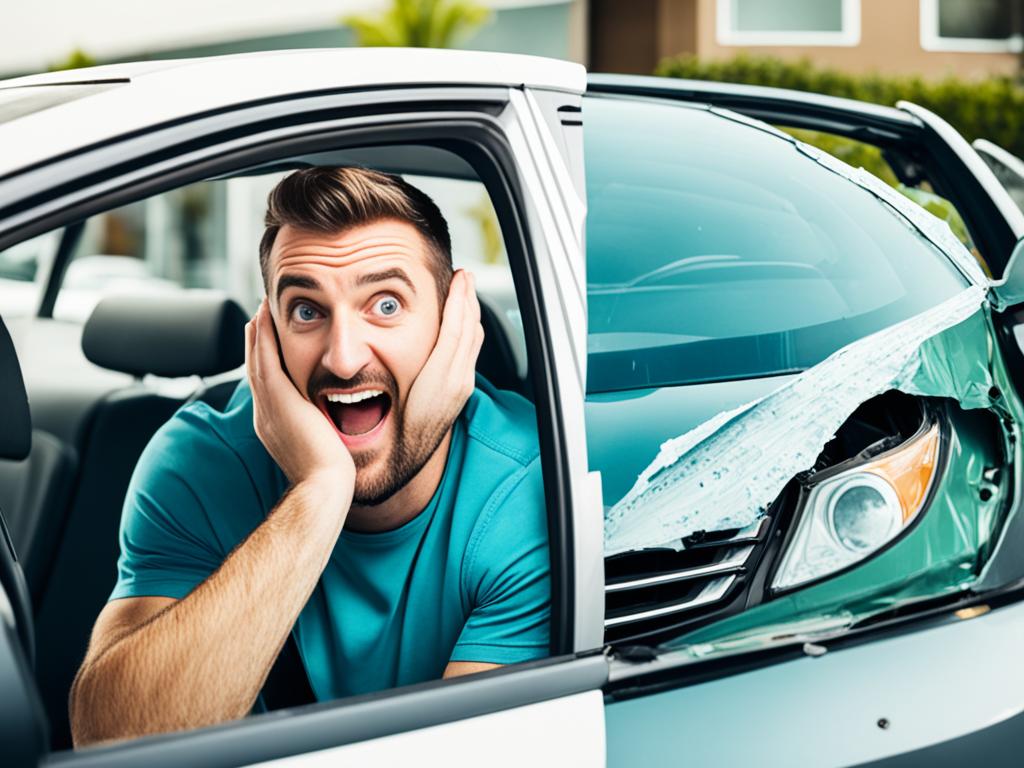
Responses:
[204,659]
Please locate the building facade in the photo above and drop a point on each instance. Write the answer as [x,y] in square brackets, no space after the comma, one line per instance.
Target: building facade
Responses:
[933,38]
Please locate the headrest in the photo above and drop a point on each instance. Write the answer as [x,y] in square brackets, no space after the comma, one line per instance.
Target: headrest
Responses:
[191,333]
[16,434]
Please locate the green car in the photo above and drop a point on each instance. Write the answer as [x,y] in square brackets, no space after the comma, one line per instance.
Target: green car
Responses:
[803,400]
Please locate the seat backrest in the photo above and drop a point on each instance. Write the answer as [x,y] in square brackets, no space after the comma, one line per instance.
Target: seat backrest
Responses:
[83,568]
[34,495]
[177,335]
[15,441]
[497,361]
[23,732]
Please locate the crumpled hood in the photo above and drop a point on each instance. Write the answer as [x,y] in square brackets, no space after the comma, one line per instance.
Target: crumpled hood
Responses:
[725,472]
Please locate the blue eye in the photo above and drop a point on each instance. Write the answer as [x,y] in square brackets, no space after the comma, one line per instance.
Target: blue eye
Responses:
[388,306]
[305,313]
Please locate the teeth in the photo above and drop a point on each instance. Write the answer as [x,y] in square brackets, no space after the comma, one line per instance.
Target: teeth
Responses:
[355,397]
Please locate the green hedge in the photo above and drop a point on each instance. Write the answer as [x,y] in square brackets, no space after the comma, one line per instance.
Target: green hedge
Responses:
[991,109]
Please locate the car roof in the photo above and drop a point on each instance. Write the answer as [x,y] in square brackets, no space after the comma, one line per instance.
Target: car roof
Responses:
[767,103]
[118,99]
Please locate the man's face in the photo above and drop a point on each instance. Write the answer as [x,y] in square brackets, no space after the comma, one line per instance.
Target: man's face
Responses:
[357,317]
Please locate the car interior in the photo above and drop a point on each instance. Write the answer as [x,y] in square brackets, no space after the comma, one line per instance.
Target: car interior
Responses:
[99,390]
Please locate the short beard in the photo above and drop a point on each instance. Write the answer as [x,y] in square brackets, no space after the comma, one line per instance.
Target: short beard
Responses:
[409,454]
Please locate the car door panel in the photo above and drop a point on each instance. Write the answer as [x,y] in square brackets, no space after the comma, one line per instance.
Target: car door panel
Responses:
[523,713]
[565,731]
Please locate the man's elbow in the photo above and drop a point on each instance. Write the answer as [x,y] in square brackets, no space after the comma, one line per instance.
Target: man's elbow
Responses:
[81,709]
[92,709]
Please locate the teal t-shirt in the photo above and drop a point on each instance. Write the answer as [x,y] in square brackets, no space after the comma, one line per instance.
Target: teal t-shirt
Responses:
[465,580]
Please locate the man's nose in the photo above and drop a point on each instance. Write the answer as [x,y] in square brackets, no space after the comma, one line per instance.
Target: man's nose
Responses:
[348,350]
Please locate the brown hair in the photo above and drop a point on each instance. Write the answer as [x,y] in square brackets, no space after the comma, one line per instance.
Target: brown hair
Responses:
[331,200]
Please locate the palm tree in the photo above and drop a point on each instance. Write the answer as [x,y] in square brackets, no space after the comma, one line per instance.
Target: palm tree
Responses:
[419,23]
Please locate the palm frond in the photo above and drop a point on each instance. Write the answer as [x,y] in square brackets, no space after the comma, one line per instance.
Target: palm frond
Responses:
[419,23]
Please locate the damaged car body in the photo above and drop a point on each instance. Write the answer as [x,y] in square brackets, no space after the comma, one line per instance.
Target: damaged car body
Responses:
[904,501]
[816,488]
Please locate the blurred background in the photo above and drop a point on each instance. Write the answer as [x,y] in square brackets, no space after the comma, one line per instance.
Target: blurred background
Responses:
[931,39]
[959,58]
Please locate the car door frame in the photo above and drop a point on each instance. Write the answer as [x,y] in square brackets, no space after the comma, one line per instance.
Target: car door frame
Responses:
[990,153]
[535,182]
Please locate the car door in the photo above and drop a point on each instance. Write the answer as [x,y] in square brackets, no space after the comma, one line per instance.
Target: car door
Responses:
[1007,167]
[525,141]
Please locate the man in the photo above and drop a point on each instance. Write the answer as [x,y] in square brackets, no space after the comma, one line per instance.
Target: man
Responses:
[358,486]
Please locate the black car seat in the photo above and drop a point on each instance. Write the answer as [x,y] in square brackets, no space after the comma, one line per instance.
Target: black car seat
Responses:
[24,727]
[497,360]
[173,335]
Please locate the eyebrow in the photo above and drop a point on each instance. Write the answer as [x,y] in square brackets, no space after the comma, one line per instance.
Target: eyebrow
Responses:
[296,281]
[395,273]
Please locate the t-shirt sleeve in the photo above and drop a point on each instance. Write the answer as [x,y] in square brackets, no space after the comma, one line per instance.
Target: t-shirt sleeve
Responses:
[508,576]
[184,478]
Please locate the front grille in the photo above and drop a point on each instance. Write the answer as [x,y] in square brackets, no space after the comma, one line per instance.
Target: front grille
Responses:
[654,594]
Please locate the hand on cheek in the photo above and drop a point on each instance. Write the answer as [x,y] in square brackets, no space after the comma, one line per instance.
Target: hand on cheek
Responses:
[446,380]
[295,432]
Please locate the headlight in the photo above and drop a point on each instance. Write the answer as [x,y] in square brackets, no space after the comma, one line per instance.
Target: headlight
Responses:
[846,517]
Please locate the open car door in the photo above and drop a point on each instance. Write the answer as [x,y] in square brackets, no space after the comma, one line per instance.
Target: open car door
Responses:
[1007,167]
[517,121]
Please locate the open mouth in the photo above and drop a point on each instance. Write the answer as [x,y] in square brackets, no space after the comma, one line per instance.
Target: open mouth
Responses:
[356,413]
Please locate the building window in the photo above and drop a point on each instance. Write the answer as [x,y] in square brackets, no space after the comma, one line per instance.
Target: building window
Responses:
[788,22]
[979,26]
